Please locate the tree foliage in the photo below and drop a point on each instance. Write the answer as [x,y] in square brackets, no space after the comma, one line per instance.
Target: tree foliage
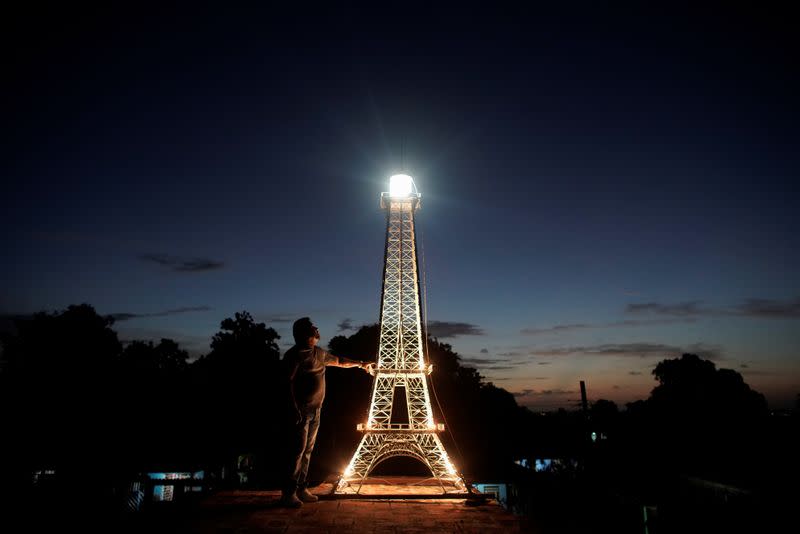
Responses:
[692,387]
[239,388]
[484,422]
[242,340]
[58,386]
[53,347]
[148,360]
[81,399]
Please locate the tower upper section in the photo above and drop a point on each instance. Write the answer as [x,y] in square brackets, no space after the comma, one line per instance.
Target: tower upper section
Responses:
[401,330]
[402,191]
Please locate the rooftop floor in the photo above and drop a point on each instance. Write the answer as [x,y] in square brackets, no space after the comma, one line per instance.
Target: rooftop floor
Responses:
[258,511]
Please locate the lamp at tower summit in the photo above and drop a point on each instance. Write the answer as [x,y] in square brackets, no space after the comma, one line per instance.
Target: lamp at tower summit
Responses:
[401,359]
[401,185]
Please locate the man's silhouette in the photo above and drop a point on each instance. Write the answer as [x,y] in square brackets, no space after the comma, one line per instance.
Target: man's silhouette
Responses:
[306,364]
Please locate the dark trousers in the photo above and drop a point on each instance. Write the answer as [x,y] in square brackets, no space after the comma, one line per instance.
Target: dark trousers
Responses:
[304,436]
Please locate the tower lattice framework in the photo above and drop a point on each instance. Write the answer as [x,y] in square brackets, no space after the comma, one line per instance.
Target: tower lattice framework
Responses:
[401,363]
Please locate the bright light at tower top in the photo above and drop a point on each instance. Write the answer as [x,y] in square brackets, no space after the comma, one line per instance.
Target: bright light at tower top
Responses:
[401,185]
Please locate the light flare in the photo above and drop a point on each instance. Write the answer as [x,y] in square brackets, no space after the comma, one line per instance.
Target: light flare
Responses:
[401,185]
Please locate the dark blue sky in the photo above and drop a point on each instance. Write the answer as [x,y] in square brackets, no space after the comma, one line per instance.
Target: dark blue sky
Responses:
[602,187]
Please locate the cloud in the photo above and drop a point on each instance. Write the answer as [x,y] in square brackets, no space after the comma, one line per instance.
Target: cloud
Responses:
[634,373]
[280,319]
[616,387]
[752,307]
[484,351]
[345,324]
[682,309]
[770,308]
[528,393]
[126,316]
[744,366]
[643,350]
[557,328]
[484,361]
[185,265]
[541,377]
[543,363]
[446,329]
[683,312]
[649,322]
[616,324]
[493,364]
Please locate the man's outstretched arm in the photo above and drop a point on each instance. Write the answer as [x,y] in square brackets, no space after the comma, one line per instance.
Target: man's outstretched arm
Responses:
[341,361]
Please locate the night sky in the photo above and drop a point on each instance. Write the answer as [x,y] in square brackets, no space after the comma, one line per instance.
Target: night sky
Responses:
[602,187]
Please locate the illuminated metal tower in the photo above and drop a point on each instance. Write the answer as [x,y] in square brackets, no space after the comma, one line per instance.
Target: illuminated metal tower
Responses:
[401,363]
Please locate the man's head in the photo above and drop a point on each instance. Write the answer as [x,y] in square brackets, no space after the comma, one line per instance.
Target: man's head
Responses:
[304,332]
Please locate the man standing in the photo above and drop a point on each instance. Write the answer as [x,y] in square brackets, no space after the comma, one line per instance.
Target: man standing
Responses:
[306,364]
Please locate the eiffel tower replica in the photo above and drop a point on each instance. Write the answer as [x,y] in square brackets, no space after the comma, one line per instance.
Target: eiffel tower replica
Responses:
[401,363]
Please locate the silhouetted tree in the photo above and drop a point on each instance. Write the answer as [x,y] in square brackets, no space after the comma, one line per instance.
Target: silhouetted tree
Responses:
[153,423]
[59,377]
[346,401]
[692,387]
[485,421]
[603,409]
[699,420]
[238,386]
[60,345]
[637,407]
[144,358]
[242,339]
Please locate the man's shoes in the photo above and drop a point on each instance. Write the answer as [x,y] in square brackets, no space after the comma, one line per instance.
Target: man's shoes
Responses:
[306,496]
[290,500]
